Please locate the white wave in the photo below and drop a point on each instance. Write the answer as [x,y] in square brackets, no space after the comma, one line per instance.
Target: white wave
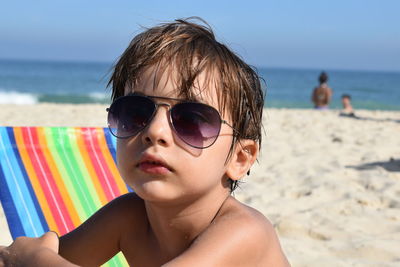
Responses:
[99,96]
[13,97]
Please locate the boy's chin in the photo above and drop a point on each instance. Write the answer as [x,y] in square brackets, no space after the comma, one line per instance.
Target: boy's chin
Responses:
[158,192]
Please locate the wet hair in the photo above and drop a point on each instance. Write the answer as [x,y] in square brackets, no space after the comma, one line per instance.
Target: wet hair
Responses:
[346,96]
[189,49]
[323,77]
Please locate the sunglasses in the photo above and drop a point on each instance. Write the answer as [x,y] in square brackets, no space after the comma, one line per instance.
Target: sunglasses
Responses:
[196,124]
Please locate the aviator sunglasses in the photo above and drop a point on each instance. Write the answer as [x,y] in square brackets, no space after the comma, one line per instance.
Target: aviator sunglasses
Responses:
[197,124]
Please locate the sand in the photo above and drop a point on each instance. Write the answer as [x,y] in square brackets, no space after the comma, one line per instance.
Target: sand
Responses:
[329,184]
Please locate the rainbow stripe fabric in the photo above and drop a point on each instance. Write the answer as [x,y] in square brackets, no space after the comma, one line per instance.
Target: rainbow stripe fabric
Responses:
[54,178]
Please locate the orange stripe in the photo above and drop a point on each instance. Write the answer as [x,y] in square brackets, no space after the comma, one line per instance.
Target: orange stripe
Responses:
[89,165]
[110,161]
[34,180]
[57,177]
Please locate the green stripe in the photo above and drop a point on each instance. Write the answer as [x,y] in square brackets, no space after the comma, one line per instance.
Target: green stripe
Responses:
[79,180]
[118,260]
[85,176]
[76,185]
[54,146]
[113,262]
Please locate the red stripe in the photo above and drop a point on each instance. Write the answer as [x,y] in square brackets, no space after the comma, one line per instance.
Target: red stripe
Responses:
[109,176]
[100,165]
[46,180]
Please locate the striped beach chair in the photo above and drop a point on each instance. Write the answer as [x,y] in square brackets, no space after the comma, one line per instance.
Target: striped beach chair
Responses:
[54,178]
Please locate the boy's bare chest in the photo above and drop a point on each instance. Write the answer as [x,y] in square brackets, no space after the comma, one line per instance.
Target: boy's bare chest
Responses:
[144,254]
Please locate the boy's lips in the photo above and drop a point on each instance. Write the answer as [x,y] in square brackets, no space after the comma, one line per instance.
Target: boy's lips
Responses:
[153,164]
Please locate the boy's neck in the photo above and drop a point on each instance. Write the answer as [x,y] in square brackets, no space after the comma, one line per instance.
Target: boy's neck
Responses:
[175,226]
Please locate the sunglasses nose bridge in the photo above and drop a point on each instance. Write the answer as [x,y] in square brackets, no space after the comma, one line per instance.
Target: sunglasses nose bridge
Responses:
[161,104]
[168,106]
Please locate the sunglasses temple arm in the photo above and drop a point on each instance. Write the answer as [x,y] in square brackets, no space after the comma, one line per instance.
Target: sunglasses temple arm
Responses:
[236,131]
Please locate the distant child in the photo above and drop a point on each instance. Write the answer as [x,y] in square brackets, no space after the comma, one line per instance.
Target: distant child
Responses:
[322,94]
[347,107]
[187,113]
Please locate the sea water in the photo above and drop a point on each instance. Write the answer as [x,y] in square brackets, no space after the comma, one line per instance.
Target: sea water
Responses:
[30,82]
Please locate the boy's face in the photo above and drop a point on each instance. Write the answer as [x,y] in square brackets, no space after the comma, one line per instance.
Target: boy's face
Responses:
[161,167]
[345,101]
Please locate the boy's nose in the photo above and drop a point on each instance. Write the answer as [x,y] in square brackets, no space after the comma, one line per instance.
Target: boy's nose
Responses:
[159,130]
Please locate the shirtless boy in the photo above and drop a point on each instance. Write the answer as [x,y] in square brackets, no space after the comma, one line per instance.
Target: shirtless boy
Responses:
[187,115]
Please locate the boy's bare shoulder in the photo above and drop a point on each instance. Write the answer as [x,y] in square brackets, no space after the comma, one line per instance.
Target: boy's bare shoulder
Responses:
[128,208]
[128,215]
[255,236]
[115,217]
[238,236]
[128,200]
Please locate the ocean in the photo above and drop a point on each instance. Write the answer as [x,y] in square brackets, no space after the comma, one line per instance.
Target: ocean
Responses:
[31,82]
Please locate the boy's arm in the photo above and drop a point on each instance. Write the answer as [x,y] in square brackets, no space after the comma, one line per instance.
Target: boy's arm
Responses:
[25,251]
[98,238]
[234,241]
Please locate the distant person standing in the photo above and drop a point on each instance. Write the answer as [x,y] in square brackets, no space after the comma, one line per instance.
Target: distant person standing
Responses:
[322,95]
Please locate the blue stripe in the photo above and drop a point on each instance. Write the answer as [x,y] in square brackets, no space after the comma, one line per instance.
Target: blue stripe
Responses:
[19,192]
[34,199]
[14,223]
[111,144]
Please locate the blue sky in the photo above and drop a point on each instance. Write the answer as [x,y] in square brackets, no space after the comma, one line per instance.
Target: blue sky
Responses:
[340,34]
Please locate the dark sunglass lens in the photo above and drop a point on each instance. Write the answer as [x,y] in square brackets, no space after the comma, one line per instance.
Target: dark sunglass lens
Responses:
[196,124]
[129,115]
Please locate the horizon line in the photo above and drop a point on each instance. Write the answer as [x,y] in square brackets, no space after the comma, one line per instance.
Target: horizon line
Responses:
[258,66]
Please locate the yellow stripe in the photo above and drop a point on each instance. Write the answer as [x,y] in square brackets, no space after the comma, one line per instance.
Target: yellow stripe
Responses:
[89,166]
[57,177]
[34,179]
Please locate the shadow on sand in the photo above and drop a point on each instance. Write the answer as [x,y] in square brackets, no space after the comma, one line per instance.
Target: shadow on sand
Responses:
[393,165]
[366,118]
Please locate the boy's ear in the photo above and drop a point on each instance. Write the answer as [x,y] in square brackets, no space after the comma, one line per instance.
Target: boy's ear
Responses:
[243,157]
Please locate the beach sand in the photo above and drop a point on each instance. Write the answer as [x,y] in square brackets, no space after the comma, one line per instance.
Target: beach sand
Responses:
[329,184]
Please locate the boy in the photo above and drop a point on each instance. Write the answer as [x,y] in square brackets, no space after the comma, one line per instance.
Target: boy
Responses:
[347,110]
[187,117]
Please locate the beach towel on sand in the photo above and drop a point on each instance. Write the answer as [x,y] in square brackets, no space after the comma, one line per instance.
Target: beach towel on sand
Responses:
[54,178]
